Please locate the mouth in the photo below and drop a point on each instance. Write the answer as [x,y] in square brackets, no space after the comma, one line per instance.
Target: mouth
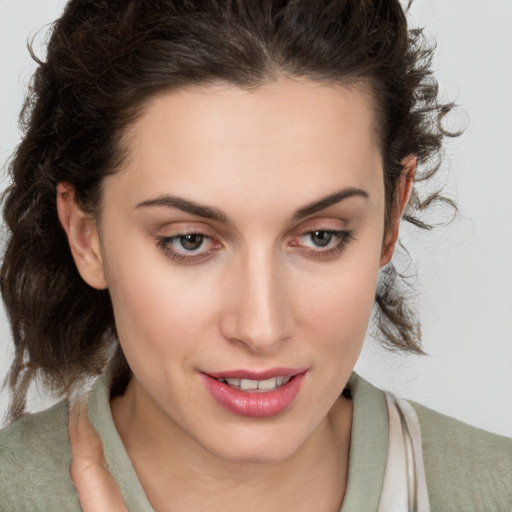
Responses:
[256,386]
[255,394]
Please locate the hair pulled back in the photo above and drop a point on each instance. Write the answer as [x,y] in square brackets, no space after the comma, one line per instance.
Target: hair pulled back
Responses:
[104,59]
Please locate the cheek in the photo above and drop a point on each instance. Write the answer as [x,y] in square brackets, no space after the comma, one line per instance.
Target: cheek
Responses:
[157,309]
[337,304]
[343,307]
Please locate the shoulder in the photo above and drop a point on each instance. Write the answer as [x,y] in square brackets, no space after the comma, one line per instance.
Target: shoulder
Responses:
[467,468]
[34,463]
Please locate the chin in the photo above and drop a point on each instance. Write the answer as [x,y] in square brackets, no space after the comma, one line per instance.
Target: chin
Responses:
[260,445]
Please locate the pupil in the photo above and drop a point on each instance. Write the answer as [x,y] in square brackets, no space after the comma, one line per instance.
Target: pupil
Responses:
[321,238]
[191,242]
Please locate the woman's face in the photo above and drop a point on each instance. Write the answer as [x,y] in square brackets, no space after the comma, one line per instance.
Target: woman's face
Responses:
[242,240]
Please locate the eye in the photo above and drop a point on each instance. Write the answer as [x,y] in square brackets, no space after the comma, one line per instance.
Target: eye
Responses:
[323,244]
[187,247]
[321,238]
[191,242]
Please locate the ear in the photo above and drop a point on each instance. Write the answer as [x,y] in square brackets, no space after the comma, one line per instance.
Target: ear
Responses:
[403,194]
[82,233]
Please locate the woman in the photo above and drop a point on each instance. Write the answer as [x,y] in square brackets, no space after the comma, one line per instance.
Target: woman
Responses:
[204,198]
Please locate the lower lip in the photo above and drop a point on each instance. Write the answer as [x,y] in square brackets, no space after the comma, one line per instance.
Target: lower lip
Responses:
[254,404]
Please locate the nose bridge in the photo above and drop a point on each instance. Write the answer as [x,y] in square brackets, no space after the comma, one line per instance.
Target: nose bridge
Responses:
[262,311]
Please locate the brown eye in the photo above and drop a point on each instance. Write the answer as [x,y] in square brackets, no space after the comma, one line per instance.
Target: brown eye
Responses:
[186,247]
[191,242]
[323,244]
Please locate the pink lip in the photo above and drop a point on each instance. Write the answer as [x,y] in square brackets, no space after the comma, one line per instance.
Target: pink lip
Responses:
[255,404]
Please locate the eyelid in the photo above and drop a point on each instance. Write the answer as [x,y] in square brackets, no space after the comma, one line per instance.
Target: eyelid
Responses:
[338,233]
[344,236]
[178,228]
[165,243]
[166,235]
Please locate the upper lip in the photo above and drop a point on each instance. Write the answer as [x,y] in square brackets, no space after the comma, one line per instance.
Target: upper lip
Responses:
[257,375]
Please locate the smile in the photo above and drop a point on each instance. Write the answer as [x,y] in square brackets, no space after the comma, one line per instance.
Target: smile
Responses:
[253,394]
[260,386]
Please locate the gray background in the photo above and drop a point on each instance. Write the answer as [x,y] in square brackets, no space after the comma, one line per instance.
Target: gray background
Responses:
[464,284]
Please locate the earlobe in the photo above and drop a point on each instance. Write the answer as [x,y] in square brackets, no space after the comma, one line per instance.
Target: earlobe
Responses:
[83,239]
[403,194]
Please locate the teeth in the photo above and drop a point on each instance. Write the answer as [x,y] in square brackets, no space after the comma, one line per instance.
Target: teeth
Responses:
[246,384]
[257,385]
[267,384]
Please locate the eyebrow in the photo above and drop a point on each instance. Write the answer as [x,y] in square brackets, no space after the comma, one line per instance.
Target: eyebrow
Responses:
[330,200]
[208,212]
[186,206]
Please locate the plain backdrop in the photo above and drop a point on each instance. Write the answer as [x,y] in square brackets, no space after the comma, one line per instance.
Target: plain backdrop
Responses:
[464,271]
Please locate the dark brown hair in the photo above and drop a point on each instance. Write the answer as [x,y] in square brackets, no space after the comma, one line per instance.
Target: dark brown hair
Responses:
[104,59]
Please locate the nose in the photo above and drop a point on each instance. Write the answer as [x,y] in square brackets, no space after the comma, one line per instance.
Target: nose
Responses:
[260,313]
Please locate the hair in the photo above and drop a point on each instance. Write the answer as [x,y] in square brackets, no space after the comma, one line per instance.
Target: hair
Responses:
[105,59]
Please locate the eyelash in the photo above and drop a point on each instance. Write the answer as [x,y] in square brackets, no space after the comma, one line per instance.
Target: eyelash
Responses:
[344,238]
[165,244]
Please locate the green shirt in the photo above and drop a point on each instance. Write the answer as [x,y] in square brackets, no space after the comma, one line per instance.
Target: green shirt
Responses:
[467,469]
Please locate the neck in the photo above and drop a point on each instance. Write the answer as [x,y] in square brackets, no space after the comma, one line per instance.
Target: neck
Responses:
[178,474]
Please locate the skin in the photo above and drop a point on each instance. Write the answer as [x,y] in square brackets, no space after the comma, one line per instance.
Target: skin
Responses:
[97,490]
[259,294]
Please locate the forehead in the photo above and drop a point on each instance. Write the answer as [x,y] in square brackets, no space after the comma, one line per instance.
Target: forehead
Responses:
[290,135]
